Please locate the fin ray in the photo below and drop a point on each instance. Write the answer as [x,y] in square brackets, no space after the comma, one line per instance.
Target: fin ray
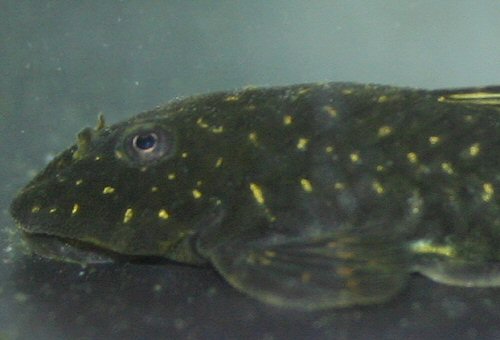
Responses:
[314,274]
[485,96]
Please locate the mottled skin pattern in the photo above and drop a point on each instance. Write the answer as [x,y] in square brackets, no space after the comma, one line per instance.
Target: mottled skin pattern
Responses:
[309,196]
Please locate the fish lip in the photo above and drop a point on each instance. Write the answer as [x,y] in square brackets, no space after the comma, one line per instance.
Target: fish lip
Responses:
[75,251]
[65,249]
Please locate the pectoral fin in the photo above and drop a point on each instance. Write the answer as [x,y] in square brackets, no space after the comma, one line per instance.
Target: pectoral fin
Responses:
[440,263]
[330,272]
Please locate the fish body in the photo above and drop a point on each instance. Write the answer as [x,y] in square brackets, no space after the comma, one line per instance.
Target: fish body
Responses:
[308,196]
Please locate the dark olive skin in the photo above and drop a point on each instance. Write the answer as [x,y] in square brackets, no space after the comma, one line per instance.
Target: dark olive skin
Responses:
[308,196]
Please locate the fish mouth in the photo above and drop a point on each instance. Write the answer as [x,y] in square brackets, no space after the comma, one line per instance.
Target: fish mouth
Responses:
[80,252]
[67,250]
[83,253]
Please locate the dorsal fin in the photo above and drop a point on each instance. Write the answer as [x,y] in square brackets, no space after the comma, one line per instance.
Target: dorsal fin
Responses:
[485,96]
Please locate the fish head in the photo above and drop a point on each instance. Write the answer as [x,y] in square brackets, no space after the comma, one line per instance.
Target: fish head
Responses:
[131,189]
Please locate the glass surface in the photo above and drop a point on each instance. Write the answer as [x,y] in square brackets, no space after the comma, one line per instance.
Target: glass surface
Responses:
[62,63]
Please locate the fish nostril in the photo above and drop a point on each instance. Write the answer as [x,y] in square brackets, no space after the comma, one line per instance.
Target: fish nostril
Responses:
[85,136]
[83,142]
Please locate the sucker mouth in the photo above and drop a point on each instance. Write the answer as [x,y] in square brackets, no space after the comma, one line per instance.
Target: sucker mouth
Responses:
[70,250]
[67,250]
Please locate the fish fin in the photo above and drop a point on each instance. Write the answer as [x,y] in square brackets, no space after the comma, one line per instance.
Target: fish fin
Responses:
[461,273]
[440,263]
[315,274]
[484,96]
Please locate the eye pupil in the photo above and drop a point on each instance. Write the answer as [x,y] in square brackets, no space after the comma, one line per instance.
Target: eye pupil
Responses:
[145,142]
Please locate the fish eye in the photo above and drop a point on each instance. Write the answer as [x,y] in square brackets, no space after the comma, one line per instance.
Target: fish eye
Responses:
[145,144]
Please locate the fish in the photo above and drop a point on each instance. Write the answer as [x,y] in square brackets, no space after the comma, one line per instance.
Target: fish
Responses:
[308,196]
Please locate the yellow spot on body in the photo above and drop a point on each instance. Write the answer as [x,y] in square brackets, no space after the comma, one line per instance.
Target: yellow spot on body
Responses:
[344,271]
[253,138]
[108,190]
[302,144]
[129,214]
[75,209]
[219,161]
[332,244]
[434,140]
[264,261]
[305,277]
[163,214]
[339,185]
[427,247]
[355,158]
[329,149]
[468,118]
[171,176]
[488,192]
[154,189]
[384,131]
[97,158]
[201,123]
[198,183]
[257,193]
[306,185]
[347,91]
[52,210]
[35,209]
[79,182]
[184,155]
[270,253]
[217,129]
[378,187]
[474,149]
[412,157]
[380,168]
[232,98]
[287,120]
[382,99]
[304,90]
[447,168]
[332,112]
[346,255]
[196,194]
[119,154]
